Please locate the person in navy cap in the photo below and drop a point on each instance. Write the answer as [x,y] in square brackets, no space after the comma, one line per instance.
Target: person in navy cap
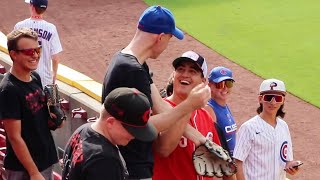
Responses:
[128,68]
[48,39]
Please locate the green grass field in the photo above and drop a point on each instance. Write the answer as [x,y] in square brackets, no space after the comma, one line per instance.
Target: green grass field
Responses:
[270,38]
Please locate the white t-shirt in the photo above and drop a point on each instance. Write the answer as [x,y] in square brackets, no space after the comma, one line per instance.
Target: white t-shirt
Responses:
[263,149]
[49,40]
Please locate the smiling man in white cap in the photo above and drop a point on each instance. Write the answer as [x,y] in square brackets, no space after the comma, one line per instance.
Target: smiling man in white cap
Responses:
[264,147]
[173,151]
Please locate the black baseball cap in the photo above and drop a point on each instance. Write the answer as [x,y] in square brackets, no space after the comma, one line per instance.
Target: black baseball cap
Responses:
[133,109]
[38,3]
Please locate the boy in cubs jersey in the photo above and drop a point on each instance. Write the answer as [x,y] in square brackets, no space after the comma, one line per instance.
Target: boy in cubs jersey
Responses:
[264,148]
[174,161]
[48,39]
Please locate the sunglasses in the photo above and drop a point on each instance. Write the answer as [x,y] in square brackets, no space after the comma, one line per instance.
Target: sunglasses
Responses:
[31,51]
[222,84]
[268,98]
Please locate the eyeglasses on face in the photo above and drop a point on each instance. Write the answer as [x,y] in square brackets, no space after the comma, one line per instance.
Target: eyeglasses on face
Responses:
[31,51]
[225,83]
[277,97]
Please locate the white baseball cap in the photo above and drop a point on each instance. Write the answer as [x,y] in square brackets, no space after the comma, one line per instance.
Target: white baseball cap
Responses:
[272,85]
[193,57]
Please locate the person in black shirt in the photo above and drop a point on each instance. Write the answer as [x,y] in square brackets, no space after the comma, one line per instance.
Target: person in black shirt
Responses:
[92,152]
[31,151]
[128,68]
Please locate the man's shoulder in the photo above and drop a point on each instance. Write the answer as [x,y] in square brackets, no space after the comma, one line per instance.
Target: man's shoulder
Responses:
[18,24]
[7,83]
[204,113]
[250,124]
[28,23]
[126,60]
[282,123]
[49,24]
[99,148]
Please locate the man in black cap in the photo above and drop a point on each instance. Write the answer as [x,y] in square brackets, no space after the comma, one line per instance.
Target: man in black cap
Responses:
[92,151]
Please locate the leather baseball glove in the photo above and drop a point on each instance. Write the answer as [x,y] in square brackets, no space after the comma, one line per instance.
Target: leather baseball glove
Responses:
[57,116]
[210,160]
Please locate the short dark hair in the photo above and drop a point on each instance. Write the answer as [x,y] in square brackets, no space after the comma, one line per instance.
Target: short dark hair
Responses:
[14,36]
[40,10]
[280,111]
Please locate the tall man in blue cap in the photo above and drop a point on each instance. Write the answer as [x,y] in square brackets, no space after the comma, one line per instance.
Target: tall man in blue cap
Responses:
[129,69]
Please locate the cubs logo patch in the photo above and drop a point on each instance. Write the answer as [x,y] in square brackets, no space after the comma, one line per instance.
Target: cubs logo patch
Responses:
[272,85]
[284,151]
[223,72]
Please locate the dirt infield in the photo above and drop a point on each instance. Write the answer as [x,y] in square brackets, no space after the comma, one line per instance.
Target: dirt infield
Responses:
[92,31]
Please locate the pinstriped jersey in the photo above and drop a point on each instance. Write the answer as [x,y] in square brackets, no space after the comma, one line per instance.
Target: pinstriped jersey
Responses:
[49,40]
[263,149]
[178,165]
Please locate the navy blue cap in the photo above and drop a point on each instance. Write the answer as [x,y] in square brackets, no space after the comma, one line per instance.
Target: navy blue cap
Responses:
[157,20]
[219,74]
[38,3]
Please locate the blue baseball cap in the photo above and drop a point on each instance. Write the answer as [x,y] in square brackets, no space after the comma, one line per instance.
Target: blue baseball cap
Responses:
[219,74]
[38,3]
[157,20]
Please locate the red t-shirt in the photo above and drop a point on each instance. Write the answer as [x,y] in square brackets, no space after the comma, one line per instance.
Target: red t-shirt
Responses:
[178,165]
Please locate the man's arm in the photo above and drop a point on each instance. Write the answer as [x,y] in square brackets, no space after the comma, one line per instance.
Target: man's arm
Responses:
[169,138]
[13,130]
[240,174]
[211,112]
[55,64]
[165,116]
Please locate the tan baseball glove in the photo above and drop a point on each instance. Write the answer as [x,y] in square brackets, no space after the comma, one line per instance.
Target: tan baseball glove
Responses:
[210,160]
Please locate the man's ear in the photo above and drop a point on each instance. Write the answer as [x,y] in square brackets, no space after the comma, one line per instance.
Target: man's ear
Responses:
[260,98]
[110,121]
[284,99]
[159,37]
[13,55]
